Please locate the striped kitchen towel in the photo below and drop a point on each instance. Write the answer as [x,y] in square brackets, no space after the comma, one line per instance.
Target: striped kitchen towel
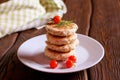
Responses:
[19,15]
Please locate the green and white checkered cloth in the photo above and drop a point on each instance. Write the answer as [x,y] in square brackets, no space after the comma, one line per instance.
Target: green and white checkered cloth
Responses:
[19,15]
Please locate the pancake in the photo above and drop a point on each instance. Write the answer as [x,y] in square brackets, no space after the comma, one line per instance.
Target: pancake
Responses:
[58,55]
[64,30]
[63,48]
[61,40]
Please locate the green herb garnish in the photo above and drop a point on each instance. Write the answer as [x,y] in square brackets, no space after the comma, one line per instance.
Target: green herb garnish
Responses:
[64,23]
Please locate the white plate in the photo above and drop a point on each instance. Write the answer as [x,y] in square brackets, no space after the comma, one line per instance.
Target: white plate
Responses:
[31,53]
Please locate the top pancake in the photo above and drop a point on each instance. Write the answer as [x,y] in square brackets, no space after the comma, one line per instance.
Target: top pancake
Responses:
[62,30]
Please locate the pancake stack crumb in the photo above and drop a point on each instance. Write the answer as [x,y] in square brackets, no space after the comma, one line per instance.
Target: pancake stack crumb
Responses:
[61,40]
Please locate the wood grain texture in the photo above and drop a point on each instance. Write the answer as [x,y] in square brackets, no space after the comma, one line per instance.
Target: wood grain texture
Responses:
[12,69]
[6,43]
[79,11]
[105,27]
[9,64]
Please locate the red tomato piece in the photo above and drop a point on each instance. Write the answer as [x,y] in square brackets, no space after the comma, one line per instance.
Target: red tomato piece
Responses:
[57,19]
[69,63]
[53,64]
[72,58]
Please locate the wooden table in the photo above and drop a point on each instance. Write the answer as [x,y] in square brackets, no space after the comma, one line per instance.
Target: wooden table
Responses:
[99,19]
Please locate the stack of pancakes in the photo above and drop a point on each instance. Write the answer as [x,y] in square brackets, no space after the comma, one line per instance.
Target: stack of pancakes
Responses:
[61,41]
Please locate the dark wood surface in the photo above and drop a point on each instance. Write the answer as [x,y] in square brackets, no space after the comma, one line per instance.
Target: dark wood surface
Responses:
[105,27]
[99,19]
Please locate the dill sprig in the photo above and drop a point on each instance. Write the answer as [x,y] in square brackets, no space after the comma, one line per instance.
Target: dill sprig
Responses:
[64,23]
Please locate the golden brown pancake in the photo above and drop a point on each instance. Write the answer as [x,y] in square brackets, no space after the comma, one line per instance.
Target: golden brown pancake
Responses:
[63,48]
[58,55]
[61,40]
[64,30]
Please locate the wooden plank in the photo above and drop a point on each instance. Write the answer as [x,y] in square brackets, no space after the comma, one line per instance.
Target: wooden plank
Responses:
[105,27]
[6,43]
[80,12]
[9,64]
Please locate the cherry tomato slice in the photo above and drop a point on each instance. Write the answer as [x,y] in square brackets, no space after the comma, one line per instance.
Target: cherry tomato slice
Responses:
[53,64]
